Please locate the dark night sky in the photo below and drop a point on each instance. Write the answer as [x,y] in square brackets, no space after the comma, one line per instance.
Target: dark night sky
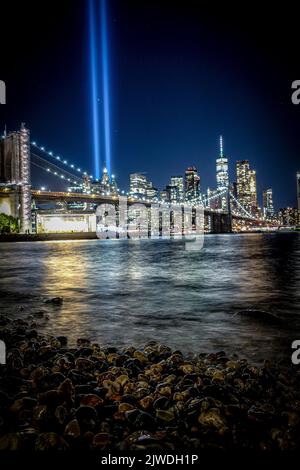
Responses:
[180,76]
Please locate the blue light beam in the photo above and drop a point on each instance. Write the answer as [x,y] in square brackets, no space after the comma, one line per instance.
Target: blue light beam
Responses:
[105,86]
[94,88]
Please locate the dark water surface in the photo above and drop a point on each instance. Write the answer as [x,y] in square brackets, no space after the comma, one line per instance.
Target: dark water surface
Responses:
[122,292]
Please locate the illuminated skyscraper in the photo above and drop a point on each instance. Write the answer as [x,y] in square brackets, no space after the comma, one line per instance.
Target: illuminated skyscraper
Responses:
[138,185]
[222,169]
[242,183]
[192,184]
[173,193]
[178,182]
[113,185]
[268,207]
[253,191]
[288,216]
[246,186]
[151,191]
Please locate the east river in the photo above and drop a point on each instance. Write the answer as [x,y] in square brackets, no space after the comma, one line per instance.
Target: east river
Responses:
[240,293]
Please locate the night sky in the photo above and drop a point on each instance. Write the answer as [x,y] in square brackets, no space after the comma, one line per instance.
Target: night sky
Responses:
[180,75]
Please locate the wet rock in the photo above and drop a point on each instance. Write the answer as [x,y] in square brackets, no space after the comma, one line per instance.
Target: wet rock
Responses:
[101,440]
[146,402]
[212,419]
[140,357]
[91,400]
[72,429]
[63,341]
[140,419]
[165,415]
[84,364]
[50,441]
[51,398]
[162,403]
[83,342]
[87,417]
[11,441]
[61,414]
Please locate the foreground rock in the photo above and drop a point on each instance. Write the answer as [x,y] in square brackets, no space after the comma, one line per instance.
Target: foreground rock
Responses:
[57,398]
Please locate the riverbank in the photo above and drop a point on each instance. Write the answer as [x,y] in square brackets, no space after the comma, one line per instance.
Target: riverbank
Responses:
[100,398]
[31,237]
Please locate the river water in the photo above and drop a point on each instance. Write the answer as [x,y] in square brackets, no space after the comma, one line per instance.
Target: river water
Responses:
[128,292]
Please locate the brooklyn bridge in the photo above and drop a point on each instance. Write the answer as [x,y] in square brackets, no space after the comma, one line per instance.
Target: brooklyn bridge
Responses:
[73,209]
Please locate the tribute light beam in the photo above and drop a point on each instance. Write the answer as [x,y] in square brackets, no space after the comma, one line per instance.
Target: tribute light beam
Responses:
[105,86]
[94,87]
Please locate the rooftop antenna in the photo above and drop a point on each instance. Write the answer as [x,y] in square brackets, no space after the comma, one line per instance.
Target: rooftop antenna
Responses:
[221,146]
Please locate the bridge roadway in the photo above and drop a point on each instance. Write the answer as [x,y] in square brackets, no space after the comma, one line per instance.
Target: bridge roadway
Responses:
[47,196]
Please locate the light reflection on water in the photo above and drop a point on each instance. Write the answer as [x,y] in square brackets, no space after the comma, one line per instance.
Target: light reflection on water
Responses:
[121,292]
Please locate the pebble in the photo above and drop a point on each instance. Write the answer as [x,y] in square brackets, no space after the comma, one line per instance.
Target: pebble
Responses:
[53,397]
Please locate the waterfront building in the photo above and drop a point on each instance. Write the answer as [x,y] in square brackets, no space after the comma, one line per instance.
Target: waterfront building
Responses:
[212,201]
[105,185]
[268,207]
[86,187]
[243,183]
[246,186]
[113,186]
[173,193]
[288,216]
[105,182]
[222,168]
[192,184]
[253,192]
[164,195]
[151,191]
[178,182]
[138,185]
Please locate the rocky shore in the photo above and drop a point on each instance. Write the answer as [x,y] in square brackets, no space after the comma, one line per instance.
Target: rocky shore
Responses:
[89,397]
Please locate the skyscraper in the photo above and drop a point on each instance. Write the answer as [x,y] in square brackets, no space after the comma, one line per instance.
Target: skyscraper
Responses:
[222,168]
[138,185]
[178,182]
[173,193]
[151,191]
[192,184]
[268,207]
[105,180]
[222,177]
[253,191]
[246,186]
[243,183]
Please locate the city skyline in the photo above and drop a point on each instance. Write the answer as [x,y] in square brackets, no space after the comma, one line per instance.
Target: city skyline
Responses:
[222,179]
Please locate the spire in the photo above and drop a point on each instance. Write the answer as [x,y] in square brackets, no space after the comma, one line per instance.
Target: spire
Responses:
[221,146]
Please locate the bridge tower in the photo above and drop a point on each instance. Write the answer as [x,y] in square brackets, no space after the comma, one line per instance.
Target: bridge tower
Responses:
[15,174]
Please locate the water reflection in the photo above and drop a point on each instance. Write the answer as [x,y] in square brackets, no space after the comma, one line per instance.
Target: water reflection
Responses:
[122,292]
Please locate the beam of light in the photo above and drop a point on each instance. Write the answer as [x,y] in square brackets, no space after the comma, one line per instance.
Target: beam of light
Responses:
[105,85]
[94,87]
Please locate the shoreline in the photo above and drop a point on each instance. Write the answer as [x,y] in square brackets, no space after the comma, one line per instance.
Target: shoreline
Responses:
[89,397]
[32,237]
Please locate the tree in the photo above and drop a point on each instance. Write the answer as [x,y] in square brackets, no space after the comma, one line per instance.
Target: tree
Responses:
[8,224]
